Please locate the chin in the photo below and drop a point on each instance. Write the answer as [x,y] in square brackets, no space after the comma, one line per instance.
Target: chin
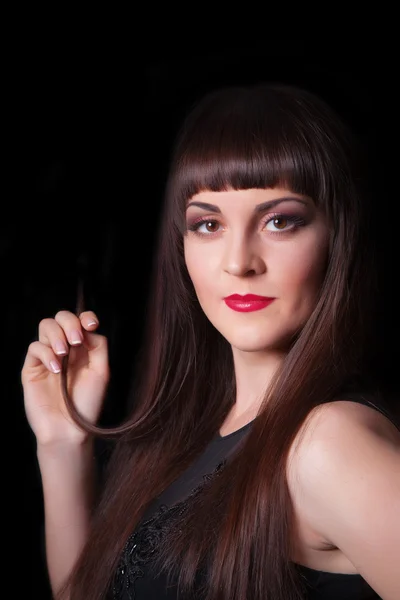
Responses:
[256,340]
[251,349]
[247,344]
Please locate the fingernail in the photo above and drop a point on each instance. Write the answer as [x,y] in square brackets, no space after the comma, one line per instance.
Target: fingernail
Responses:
[55,366]
[60,347]
[76,337]
[92,323]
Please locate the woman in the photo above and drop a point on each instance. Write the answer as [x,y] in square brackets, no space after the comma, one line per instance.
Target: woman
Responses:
[257,462]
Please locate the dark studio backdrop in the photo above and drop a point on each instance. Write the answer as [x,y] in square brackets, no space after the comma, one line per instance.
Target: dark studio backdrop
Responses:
[88,177]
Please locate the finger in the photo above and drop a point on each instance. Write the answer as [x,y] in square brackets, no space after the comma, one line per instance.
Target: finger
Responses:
[66,326]
[97,347]
[96,344]
[40,354]
[53,335]
[89,320]
[71,325]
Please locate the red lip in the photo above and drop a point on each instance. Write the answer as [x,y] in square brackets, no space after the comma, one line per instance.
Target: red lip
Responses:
[247,297]
[248,303]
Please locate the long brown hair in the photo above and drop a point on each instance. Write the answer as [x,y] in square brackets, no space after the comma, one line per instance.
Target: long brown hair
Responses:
[255,137]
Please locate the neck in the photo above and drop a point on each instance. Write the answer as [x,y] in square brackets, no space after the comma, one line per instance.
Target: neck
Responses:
[253,374]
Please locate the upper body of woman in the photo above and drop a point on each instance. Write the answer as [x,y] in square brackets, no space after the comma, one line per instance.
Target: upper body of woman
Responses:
[256,463]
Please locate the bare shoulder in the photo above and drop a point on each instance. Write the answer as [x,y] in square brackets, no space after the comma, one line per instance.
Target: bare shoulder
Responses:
[333,431]
[364,416]
[343,474]
[340,418]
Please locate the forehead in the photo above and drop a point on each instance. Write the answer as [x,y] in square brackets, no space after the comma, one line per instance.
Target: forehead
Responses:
[230,198]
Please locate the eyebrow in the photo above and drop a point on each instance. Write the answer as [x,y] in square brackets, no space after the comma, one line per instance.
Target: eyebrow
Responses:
[257,209]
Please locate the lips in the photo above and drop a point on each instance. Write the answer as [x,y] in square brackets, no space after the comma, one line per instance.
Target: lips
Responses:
[247,297]
[247,303]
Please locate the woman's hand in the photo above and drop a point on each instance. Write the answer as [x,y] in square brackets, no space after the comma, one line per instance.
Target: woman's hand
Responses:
[87,376]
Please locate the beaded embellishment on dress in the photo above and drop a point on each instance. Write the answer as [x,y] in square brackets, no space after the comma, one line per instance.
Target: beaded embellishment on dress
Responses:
[142,545]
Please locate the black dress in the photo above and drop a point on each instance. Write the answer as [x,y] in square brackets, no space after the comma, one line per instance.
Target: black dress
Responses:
[132,580]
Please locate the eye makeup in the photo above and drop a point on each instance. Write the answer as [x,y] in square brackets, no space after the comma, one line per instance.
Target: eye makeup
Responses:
[294,220]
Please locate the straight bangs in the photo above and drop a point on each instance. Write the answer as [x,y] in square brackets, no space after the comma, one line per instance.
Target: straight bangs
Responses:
[241,140]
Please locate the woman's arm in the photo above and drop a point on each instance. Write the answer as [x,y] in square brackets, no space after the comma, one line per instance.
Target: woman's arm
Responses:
[68,474]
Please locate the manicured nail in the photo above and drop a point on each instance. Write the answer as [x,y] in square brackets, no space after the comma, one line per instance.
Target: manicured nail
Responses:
[60,347]
[55,366]
[76,337]
[92,323]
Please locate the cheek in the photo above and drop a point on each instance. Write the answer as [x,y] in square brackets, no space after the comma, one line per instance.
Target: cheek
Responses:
[196,274]
[200,268]
[303,270]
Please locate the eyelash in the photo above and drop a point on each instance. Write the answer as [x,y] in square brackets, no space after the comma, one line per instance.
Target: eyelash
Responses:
[294,219]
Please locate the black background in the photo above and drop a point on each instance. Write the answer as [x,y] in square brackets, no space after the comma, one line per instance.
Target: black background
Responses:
[83,180]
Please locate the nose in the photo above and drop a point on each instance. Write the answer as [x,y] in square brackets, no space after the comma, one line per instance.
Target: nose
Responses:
[242,258]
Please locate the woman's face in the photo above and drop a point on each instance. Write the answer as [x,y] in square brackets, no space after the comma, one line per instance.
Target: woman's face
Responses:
[266,242]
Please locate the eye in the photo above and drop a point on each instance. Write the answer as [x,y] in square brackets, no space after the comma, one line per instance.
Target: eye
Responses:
[208,225]
[281,222]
